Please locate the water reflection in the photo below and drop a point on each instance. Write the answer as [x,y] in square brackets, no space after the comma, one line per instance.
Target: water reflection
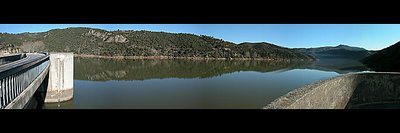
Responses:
[120,69]
[339,65]
[210,84]
[112,69]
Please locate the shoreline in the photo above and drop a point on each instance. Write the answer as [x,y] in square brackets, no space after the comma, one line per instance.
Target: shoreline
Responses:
[171,58]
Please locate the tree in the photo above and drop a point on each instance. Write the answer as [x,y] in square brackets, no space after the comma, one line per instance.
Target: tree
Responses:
[247,54]
[255,55]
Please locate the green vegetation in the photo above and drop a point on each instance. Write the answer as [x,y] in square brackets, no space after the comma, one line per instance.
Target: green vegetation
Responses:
[144,43]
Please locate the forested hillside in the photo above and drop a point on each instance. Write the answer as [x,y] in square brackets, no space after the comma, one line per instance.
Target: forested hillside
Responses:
[143,43]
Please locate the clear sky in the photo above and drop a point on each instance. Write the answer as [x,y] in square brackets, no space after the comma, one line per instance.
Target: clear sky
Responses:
[369,36]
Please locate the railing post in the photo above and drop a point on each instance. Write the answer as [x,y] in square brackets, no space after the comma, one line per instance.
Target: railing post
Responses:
[18,86]
[3,98]
[19,83]
[8,90]
[1,93]
[5,91]
[6,87]
[12,87]
[25,79]
[15,86]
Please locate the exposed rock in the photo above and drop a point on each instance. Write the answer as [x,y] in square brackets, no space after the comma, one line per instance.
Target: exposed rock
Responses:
[106,36]
[117,38]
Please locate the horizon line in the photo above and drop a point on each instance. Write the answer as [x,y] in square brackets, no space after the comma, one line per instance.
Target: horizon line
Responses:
[162,31]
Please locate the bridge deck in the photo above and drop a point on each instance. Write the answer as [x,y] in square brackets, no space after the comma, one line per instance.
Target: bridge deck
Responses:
[29,58]
[19,80]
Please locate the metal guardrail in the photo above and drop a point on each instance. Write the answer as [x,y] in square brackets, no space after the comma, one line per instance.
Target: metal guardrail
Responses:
[16,78]
[11,58]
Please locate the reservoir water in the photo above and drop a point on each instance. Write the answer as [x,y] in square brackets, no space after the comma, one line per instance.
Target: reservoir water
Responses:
[192,84]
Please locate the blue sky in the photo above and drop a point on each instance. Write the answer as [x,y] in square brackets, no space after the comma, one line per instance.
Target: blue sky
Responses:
[369,36]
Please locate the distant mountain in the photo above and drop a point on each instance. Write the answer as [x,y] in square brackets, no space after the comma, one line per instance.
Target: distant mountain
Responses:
[340,51]
[387,59]
[143,43]
[268,50]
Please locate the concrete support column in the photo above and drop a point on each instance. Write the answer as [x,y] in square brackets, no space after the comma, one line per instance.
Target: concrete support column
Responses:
[61,79]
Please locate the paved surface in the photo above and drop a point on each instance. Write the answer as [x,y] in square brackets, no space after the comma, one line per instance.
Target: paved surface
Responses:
[29,58]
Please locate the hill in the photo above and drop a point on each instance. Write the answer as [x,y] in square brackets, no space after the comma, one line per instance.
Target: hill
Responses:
[340,51]
[143,43]
[387,59]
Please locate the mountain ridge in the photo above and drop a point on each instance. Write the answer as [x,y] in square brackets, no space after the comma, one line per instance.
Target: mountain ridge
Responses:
[386,59]
[93,41]
[339,51]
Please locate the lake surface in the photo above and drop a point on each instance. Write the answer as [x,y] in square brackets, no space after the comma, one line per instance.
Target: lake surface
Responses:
[192,84]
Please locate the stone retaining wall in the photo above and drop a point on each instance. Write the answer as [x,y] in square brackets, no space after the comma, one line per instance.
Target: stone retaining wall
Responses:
[345,91]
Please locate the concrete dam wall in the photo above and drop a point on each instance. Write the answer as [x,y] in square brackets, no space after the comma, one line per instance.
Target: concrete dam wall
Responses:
[350,91]
[61,78]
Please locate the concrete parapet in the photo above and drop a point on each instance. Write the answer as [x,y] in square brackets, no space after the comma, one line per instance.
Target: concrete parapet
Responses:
[346,91]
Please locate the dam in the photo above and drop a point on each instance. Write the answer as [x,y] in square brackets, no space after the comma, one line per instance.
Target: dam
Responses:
[366,90]
[30,79]
[27,80]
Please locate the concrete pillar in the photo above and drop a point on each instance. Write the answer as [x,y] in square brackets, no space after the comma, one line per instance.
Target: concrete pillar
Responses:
[61,78]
